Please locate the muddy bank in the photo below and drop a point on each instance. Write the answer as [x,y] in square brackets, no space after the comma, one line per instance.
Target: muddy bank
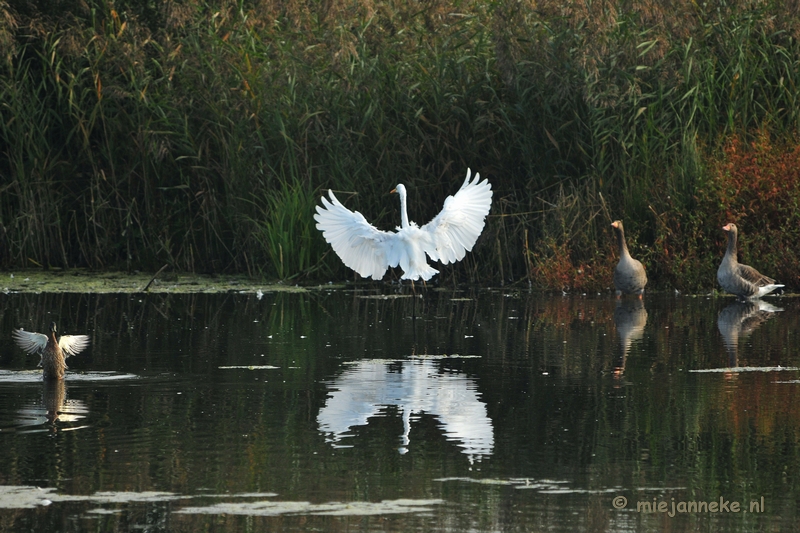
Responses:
[78,280]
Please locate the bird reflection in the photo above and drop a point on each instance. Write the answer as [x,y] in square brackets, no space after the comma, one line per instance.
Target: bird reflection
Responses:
[365,389]
[55,409]
[53,396]
[630,317]
[740,319]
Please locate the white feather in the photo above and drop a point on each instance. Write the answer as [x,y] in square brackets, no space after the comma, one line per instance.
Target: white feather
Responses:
[32,342]
[457,227]
[73,344]
[360,246]
[29,341]
[766,289]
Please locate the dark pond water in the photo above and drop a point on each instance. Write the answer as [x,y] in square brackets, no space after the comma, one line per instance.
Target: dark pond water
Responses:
[352,411]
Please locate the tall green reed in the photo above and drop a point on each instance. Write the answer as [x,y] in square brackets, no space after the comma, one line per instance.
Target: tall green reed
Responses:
[187,135]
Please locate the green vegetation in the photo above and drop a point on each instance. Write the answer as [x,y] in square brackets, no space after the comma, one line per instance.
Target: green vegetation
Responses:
[201,133]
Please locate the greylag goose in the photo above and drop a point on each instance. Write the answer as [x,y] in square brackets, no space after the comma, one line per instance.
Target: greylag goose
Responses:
[742,280]
[53,350]
[629,275]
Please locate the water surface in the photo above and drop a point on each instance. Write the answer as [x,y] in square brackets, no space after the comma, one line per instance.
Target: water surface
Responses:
[484,410]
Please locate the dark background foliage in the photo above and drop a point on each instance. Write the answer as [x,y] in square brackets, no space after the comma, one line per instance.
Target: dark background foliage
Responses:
[200,134]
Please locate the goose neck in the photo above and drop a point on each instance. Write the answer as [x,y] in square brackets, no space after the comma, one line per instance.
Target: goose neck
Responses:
[731,251]
[623,246]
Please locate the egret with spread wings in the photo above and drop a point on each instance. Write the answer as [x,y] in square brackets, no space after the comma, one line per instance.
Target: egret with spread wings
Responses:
[447,238]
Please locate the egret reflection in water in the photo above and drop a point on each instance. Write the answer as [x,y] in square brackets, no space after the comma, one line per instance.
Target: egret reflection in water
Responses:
[740,319]
[630,318]
[416,386]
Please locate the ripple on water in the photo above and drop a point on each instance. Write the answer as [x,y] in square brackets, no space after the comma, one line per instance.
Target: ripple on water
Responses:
[35,376]
[34,405]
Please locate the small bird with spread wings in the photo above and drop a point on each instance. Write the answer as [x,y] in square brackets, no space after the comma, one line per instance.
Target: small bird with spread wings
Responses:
[447,238]
[53,349]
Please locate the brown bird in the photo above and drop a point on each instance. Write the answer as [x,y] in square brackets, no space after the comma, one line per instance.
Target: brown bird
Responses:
[629,275]
[52,349]
[742,280]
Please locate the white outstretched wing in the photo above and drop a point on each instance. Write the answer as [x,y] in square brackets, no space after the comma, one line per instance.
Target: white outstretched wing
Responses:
[456,228]
[73,344]
[358,244]
[32,342]
[29,341]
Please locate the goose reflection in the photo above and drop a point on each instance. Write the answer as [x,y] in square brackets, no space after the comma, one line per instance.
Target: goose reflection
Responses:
[630,318]
[369,387]
[740,319]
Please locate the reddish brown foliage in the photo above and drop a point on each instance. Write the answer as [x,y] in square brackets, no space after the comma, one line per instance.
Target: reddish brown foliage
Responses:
[757,186]
[554,268]
[758,180]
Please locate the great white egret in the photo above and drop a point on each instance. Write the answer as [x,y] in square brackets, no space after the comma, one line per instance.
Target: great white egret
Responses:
[447,238]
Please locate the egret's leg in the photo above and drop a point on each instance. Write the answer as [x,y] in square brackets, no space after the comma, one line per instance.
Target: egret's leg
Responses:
[414,304]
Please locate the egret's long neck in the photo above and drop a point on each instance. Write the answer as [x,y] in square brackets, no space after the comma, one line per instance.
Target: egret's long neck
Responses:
[403,209]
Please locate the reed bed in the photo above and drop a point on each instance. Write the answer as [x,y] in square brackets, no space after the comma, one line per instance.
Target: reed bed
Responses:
[200,134]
